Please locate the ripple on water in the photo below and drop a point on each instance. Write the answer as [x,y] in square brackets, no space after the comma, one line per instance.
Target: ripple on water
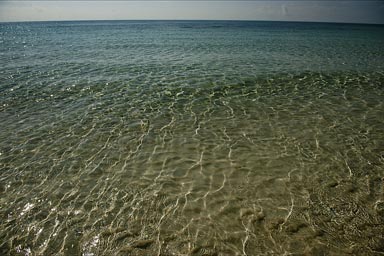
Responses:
[253,172]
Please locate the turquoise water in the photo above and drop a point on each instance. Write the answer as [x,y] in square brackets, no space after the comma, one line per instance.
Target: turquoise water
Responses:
[191,138]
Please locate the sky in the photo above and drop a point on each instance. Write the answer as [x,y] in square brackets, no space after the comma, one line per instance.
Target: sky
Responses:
[356,11]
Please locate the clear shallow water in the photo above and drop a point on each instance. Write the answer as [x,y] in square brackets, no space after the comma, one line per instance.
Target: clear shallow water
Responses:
[191,138]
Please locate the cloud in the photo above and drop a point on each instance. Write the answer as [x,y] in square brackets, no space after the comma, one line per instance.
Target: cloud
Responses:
[284,10]
[299,10]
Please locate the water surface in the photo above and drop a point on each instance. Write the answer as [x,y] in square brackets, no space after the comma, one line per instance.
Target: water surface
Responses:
[191,138]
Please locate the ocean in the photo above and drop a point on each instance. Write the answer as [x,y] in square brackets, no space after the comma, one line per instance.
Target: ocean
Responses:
[191,138]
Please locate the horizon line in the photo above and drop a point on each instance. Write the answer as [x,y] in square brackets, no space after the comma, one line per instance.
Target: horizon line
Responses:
[217,20]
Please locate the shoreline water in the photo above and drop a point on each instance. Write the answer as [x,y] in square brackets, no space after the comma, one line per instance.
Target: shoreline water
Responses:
[202,157]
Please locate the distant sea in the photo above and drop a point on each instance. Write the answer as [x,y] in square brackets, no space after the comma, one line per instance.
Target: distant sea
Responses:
[191,138]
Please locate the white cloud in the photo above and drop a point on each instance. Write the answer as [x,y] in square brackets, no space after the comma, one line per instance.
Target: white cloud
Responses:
[329,11]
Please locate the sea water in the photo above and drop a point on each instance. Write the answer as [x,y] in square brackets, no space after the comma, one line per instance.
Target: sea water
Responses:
[191,138]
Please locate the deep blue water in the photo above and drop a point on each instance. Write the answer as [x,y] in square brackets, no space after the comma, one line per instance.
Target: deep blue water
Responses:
[233,48]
